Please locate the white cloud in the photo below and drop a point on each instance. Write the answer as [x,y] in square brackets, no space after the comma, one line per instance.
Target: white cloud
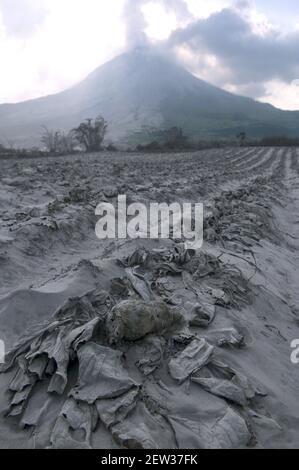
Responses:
[204,8]
[259,22]
[160,22]
[22,17]
[73,39]
[153,19]
[282,95]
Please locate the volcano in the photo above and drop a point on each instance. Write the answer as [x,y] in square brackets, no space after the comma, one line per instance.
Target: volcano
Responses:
[139,92]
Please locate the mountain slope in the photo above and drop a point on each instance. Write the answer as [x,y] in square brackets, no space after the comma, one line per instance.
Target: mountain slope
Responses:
[140,89]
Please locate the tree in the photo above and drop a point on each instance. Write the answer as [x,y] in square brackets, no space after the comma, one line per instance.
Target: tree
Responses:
[90,134]
[57,142]
[66,143]
[242,138]
[50,140]
[175,138]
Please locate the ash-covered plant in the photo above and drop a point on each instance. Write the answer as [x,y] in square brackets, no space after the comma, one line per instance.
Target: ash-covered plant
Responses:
[58,142]
[91,133]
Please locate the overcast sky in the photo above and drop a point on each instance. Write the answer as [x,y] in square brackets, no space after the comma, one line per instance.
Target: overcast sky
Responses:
[247,47]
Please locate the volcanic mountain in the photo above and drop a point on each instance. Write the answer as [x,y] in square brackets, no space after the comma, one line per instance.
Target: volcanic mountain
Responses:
[141,91]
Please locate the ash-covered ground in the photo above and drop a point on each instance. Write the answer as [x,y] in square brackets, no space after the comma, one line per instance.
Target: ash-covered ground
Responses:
[142,343]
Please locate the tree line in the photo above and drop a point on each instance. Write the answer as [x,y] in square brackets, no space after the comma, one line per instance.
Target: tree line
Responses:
[88,136]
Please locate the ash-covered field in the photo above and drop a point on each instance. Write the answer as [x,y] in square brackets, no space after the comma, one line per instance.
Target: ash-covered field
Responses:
[142,343]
